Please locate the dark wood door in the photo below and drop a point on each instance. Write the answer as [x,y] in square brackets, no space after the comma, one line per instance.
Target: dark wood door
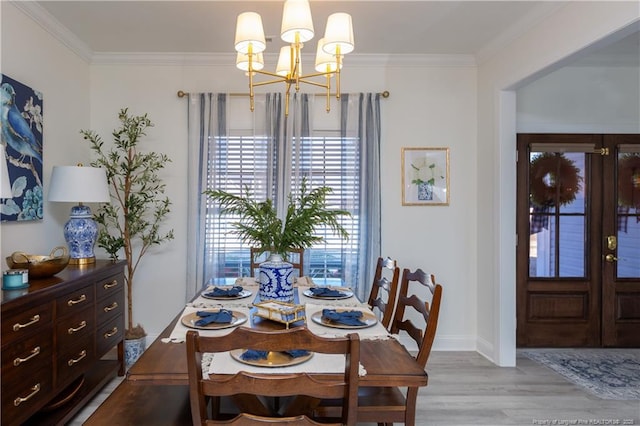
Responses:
[578,252]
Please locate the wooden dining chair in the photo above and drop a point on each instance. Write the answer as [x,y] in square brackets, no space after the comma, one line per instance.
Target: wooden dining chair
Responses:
[244,419]
[388,405]
[343,387]
[384,290]
[295,257]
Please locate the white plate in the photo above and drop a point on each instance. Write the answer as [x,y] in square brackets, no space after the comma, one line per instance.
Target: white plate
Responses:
[368,318]
[190,320]
[241,295]
[346,294]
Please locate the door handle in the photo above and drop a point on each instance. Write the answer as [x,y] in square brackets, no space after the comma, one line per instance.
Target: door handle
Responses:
[610,258]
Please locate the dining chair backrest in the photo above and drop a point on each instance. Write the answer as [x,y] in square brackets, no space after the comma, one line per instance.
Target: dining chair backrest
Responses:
[428,310]
[343,386]
[294,256]
[245,419]
[385,288]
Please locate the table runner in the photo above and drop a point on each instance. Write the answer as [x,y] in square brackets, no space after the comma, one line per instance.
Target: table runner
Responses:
[223,363]
[244,305]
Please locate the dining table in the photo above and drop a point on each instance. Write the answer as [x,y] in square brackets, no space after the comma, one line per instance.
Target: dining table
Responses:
[162,368]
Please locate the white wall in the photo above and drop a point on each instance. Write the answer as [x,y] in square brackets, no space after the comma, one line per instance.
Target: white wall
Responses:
[575,26]
[31,56]
[582,99]
[429,106]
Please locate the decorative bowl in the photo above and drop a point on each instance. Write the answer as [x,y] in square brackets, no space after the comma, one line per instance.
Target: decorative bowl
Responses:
[40,266]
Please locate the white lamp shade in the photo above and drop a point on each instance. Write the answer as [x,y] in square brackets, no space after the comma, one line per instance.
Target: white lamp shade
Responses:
[338,33]
[296,18]
[325,62]
[5,183]
[78,184]
[284,61]
[249,32]
[242,61]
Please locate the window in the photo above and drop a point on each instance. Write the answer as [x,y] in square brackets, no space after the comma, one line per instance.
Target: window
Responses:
[243,160]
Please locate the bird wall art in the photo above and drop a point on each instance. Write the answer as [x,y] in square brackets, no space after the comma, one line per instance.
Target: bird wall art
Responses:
[21,133]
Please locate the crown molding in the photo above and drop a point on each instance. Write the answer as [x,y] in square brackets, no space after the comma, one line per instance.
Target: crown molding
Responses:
[222,59]
[51,25]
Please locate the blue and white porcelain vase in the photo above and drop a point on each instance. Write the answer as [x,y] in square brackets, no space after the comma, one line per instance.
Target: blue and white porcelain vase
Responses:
[276,279]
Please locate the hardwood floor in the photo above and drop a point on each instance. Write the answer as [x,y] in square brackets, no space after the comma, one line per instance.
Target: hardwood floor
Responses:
[466,389]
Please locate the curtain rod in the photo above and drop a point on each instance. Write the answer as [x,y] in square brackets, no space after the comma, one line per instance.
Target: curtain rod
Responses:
[182,94]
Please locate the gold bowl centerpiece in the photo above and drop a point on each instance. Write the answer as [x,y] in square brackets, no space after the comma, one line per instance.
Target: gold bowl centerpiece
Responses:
[40,266]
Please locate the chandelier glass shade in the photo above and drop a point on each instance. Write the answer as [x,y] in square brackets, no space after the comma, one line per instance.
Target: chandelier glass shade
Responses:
[296,29]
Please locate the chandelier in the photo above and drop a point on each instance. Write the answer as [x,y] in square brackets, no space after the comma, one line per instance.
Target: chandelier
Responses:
[296,29]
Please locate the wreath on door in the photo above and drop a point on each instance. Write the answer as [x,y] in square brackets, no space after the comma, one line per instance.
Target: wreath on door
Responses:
[629,181]
[553,177]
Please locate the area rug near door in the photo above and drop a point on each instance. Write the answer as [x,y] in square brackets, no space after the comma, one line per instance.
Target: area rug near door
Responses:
[606,373]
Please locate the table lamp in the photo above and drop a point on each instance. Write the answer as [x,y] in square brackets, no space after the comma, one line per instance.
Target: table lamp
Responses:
[5,183]
[79,184]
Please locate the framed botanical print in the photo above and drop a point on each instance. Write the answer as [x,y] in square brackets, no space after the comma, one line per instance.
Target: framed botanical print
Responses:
[425,176]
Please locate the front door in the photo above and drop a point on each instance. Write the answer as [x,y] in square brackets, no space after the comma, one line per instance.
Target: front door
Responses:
[578,251]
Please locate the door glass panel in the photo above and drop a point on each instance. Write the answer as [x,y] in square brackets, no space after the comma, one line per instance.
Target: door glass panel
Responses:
[557,208]
[542,247]
[628,251]
[572,246]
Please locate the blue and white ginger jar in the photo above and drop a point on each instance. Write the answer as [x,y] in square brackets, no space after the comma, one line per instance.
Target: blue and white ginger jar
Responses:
[276,279]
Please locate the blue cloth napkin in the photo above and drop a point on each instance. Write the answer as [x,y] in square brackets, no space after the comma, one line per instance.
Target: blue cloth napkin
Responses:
[344,317]
[325,292]
[222,292]
[222,316]
[254,355]
[296,353]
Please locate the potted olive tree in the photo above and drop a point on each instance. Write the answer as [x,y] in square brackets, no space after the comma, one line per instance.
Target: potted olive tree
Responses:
[260,226]
[131,222]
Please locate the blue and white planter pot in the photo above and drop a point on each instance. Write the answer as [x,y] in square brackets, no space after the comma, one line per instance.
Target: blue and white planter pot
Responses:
[276,279]
[133,349]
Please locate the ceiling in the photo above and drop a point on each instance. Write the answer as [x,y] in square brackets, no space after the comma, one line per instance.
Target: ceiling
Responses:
[380,27]
[417,27]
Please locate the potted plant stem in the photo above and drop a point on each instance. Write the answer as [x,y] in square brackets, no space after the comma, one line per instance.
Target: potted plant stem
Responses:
[260,226]
[132,220]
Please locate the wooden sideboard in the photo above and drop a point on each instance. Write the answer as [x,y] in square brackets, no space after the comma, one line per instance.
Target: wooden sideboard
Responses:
[54,337]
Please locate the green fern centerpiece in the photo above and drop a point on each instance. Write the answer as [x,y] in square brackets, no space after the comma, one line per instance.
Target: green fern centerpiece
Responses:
[258,224]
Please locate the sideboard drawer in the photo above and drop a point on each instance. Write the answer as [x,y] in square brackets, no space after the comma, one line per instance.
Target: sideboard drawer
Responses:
[110,285]
[109,307]
[22,395]
[109,335]
[22,357]
[74,361]
[15,325]
[75,301]
[75,328]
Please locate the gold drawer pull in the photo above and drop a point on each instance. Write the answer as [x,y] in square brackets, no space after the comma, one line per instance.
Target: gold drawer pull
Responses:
[77,360]
[82,325]
[20,400]
[111,333]
[35,351]
[107,286]
[76,301]
[111,307]
[34,319]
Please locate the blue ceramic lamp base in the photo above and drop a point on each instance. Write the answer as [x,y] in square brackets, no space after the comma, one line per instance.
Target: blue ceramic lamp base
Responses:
[81,232]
